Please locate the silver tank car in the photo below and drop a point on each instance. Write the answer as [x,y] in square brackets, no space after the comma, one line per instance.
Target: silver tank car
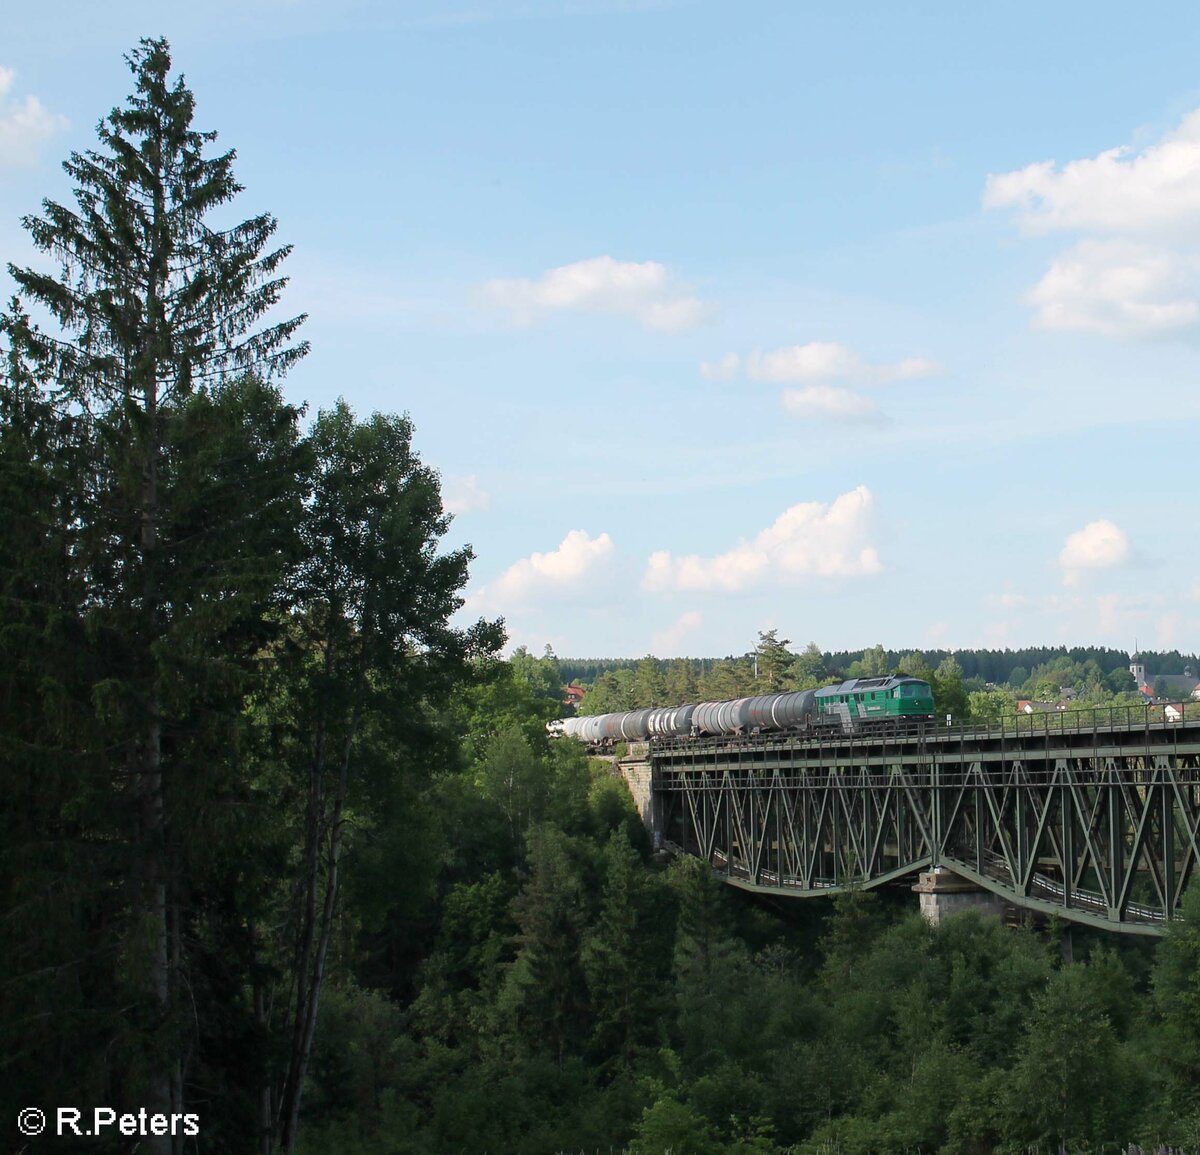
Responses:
[781,711]
[671,722]
[634,725]
[740,716]
[722,717]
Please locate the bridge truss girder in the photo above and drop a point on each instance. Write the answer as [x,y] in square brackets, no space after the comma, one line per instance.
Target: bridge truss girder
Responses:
[1100,832]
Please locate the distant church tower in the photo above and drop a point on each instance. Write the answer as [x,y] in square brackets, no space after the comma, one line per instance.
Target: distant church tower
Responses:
[1136,668]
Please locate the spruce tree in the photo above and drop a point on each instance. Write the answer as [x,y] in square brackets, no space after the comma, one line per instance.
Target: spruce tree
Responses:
[154,306]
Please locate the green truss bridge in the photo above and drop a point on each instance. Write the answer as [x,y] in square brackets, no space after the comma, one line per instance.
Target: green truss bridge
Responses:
[1090,815]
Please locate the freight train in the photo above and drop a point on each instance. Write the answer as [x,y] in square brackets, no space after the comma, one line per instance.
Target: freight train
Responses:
[849,707]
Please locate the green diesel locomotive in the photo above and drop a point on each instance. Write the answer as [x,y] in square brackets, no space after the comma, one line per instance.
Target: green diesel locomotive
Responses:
[861,702]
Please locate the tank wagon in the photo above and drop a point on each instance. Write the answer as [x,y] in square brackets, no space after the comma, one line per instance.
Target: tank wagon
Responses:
[851,707]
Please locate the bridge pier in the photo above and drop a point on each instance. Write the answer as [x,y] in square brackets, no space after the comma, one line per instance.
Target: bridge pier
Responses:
[635,769]
[944,893]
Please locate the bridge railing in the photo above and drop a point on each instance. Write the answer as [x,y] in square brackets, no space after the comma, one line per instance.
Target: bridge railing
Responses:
[1051,890]
[1020,725]
[1084,718]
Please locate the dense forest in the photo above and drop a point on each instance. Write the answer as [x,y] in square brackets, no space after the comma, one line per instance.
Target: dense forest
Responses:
[1011,668]
[980,685]
[288,858]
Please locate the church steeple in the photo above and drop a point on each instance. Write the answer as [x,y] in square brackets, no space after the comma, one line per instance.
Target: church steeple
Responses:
[1136,666]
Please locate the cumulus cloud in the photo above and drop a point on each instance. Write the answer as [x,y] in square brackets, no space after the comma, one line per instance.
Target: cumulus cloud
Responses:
[1119,288]
[1155,190]
[815,361]
[1136,272]
[810,539]
[823,361]
[464,495]
[817,366]
[643,290]
[24,124]
[666,643]
[830,402]
[1099,545]
[563,570]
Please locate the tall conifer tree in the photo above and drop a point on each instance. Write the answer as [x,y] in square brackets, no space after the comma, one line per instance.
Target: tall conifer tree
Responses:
[153,306]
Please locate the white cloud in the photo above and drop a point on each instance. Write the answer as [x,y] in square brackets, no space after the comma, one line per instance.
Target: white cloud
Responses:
[666,643]
[726,369]
[1152,191]
[643,290]
[809,539]
[1136,271]
[1099,545]
[815,361]
[815,366]
[830,402]
[822,361]
[1118,288]
[464,495]
[24,124]
[566,569]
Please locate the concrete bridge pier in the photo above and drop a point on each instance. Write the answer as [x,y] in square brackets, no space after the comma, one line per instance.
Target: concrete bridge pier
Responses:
[944,893]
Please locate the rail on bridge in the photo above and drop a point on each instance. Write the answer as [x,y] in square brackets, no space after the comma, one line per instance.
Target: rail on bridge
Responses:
[1092,815]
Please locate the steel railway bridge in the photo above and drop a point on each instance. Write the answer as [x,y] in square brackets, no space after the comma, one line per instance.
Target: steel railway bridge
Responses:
[1094,815]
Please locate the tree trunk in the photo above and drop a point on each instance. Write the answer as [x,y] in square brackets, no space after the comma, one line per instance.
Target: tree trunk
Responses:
[152,840]
[266,1118]
[289,1092]
[306,1014]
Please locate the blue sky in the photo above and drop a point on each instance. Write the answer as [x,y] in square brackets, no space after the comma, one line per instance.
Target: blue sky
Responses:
[867,323]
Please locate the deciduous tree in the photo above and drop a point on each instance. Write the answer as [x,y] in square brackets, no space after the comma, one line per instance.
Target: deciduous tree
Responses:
[371,662]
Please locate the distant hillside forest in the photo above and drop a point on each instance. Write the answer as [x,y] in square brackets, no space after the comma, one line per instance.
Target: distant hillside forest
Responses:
[990,665]
[981,684]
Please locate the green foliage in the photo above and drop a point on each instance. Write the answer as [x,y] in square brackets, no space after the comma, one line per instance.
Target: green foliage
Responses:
[514,778]
[626,956]
[727,679]
[520,694]
[671,1126]
[873,664]
[1176,1004]
[649,686]
[680,683]
[914,665]
[991,706]
[949,694]
[808,670]
[1072,1082]
[545,993]
[611,692]
[774,662]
